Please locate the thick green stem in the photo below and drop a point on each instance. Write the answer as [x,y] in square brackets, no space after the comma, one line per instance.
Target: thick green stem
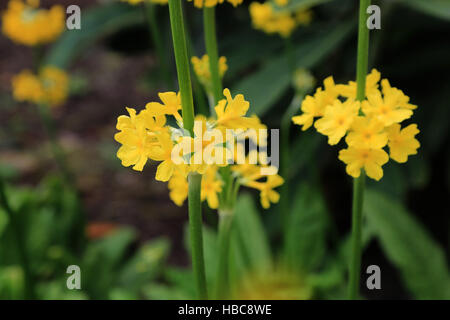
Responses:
[195,231]
[359,183]
[182,62]
[20,242]
[209,22]
[150,12]
[222,276]
[195,180]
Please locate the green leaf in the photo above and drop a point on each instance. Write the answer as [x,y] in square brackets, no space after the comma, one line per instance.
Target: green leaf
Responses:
[249,232]
[408,246]
[437,8]
[96,23]
[296,5]
[307,228]
[145,265]
[264,87]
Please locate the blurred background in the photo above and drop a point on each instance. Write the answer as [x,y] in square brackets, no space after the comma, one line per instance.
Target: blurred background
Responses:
[121,227]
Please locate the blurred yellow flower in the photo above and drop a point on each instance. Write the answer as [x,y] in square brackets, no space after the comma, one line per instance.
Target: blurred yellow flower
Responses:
[267,194]
[49,87]
[135,2]
[266,19]
[367,133]
[202,70]
[212,3]
[211,187]
[25,23]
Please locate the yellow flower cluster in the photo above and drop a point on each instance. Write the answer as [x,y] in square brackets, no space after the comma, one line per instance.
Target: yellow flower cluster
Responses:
[148,136]
[202,70]
[49,87]
[368,126]
[26,23]
[271,20]
[212,3]
[134,2]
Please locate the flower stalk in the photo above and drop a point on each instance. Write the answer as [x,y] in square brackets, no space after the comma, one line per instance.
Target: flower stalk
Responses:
[194,200]
[359,183]
[222,276]
[209,22]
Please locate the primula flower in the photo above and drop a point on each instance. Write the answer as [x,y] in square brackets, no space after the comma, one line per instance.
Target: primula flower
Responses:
[402,143]
[369,128]
[49,87]
[171,103]
[202,70]
[337,119]
[349,90]
[265,18]
[370,160]
[390,108]
[267,194]
[210,187]
[179,187]
[212,3]
[367,133]
[313,107]
[25,23]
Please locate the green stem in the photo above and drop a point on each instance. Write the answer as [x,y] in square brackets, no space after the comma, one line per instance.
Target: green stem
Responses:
[359,183]
[209,22]
[58,152]
[195,231]
[150,12]
[194,201]
[222,276]
[20,242]
[182,62]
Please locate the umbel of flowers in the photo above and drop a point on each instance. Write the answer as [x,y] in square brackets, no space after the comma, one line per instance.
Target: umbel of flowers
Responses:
[369,126]
[49,87]
[272,18]
[25,23]
[217,142]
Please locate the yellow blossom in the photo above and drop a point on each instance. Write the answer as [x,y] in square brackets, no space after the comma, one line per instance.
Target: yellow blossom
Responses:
[25,23]
[211,186]
[49,87]
[212,3]
[171,103]
[179,187]
[390,108]
[134,2]
[367,133]
[370,160]
[402,143]
[349,90]
[267,194]
[337,120]
[202,70]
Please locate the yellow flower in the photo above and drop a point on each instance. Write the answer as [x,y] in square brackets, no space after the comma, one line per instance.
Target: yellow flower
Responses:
[211,186]
[50,87]
[212,3]
[136,143]
[231,113]
[281,3]
[26,24]
[163,152]
[202,70]
[266,19]
[367,133]
[313,107]
[267,194]
[304,17]
[179,187]
[27,87]
[402,142]
[171,103]
[55,84]
[337,120]
[390,108]
[369,159]
[372,79]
